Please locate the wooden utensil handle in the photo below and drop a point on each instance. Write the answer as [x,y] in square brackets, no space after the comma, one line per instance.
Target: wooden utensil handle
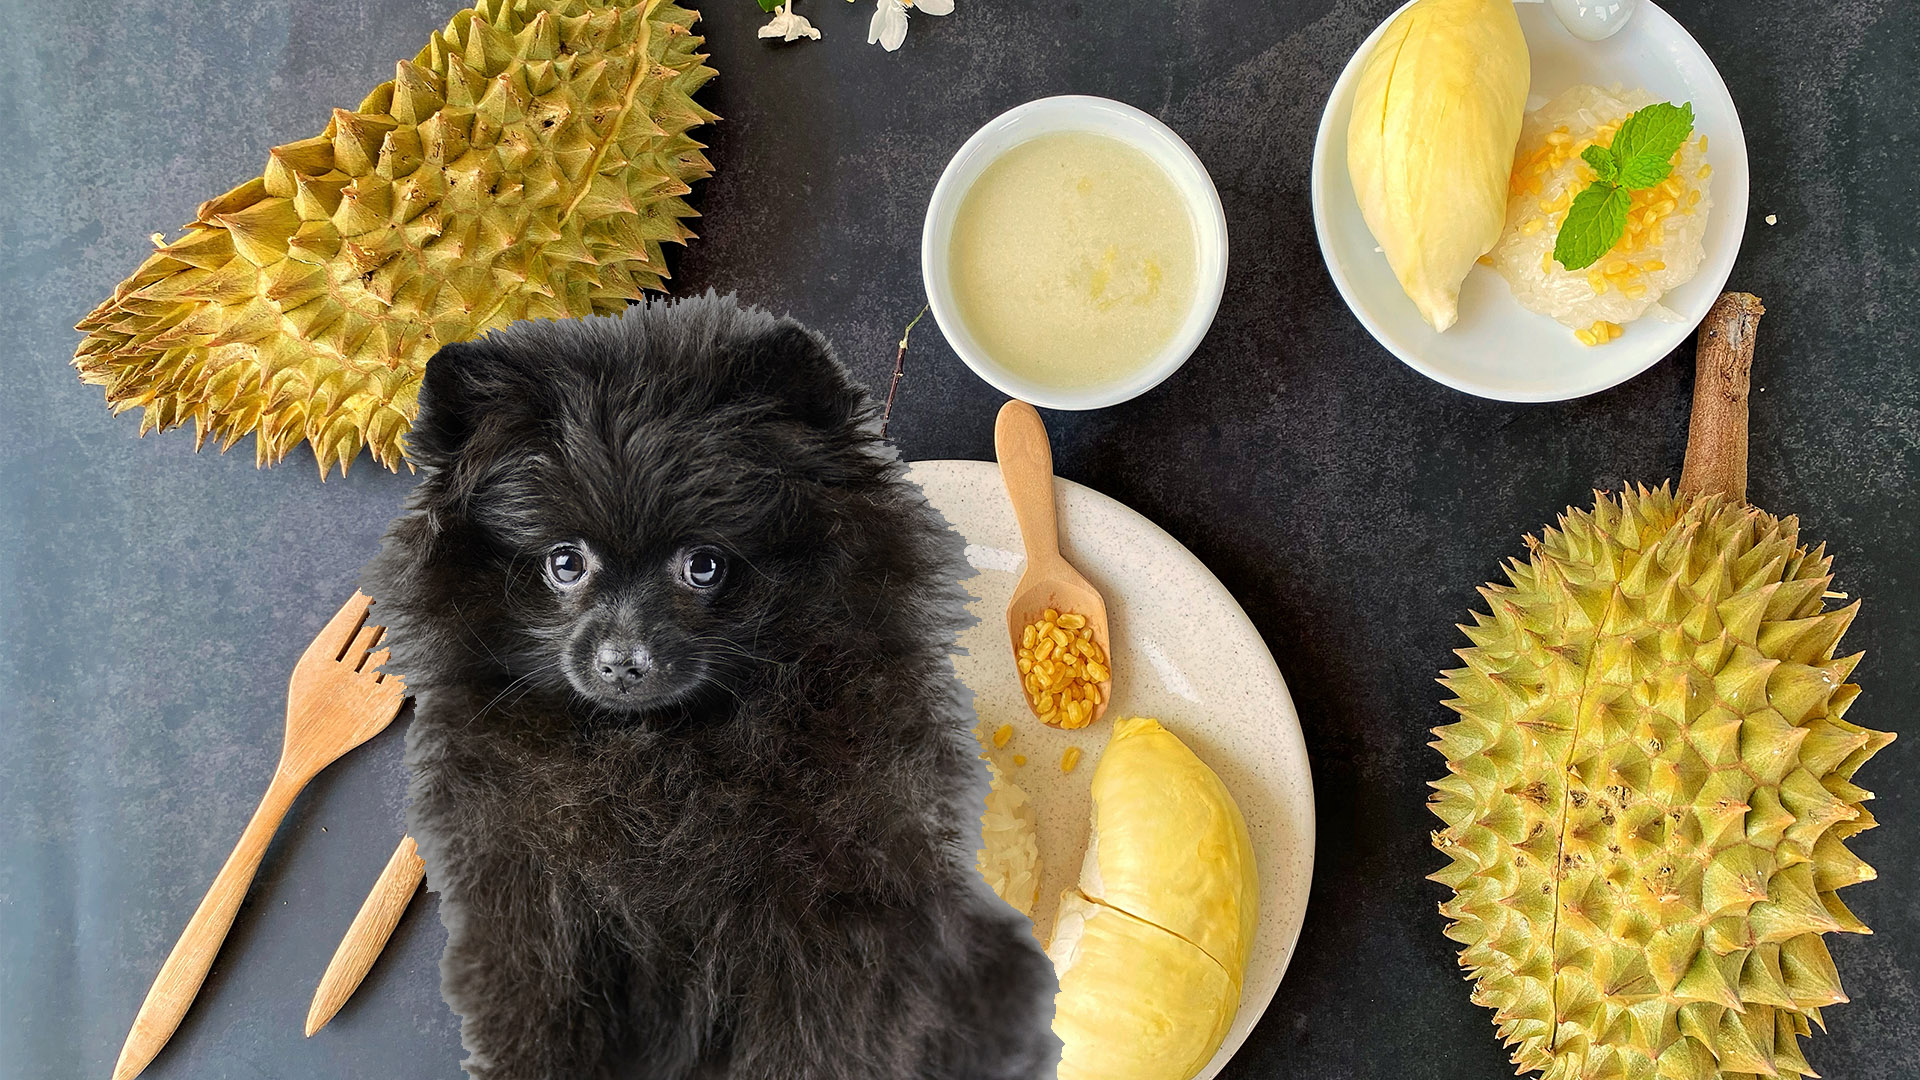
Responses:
[368,934]
[1026,467]
[192,957]
[1723,373]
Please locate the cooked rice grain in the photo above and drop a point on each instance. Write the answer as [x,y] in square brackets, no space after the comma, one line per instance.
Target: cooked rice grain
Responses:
[1009,857]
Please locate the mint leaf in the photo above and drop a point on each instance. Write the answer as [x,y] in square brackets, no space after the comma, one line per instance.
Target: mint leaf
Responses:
[1602,160]
[1594,223]
[1644,172]
[1646,142]
[768,6]
[1640,157]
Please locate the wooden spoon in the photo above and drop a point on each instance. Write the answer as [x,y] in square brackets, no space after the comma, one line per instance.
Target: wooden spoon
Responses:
[1026,468]
[336,700]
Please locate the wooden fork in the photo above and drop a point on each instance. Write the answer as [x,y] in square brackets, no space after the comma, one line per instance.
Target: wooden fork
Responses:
[336,700]
[368,934]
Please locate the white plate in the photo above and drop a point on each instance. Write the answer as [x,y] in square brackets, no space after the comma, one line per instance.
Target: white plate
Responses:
[1499,349]
[1185,653]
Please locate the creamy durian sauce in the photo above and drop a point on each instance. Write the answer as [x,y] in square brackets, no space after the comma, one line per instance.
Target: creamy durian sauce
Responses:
[1073,259]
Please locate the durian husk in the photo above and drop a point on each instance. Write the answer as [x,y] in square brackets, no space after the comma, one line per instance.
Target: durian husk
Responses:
[1648,789]
[529,162]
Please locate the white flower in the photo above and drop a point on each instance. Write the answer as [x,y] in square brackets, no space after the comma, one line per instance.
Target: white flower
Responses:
[790,27]
[889,25]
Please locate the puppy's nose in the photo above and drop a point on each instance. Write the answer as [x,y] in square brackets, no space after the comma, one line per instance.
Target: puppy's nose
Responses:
[621,665]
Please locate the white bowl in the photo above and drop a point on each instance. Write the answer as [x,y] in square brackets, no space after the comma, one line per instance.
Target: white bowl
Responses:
[1098,116]
[1499,349]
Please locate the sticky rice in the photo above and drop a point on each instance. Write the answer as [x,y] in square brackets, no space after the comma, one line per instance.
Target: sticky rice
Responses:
[1661,250]
[1009,857]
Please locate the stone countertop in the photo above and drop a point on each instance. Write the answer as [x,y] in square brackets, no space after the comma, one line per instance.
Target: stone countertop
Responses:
[152,600]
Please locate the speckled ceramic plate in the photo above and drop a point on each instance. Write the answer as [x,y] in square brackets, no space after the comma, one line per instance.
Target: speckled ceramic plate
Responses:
[1185,653]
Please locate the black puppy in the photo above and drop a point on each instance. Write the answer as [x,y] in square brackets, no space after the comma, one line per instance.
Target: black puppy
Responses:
[691,768]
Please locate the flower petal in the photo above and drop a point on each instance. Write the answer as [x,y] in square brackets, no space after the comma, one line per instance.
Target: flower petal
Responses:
[934,7]
[889,25]
[790,27]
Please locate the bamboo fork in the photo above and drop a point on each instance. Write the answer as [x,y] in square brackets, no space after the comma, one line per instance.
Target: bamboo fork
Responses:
[368,934]
[336,700]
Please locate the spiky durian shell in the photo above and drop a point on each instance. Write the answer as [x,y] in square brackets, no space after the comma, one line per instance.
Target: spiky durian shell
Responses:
[528,162]
[1647,791]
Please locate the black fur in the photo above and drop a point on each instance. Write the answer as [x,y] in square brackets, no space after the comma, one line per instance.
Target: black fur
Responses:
[758,863]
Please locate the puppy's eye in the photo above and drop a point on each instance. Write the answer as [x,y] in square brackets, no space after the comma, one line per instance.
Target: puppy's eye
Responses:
[703,568]
[566,565]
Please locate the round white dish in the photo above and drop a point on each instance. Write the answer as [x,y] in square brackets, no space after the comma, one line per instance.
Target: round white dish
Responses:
[1185,653]
[1499,349]
[1099,116]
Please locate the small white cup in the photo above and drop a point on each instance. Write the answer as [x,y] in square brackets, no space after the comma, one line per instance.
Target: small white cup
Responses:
[1099,116]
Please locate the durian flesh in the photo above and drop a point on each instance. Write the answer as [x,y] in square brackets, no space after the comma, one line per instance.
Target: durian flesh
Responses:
[1436,116]
[1135,1003]
[1152,947]
[1648,788]
[1169,845]
[529,162]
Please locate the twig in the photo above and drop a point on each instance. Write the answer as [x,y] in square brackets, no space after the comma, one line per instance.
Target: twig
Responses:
[899,372]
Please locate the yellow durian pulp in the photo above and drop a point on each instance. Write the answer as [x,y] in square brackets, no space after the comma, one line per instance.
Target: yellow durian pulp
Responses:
[1152,947]
[1187,865]
[1436,118]
[1136,1003]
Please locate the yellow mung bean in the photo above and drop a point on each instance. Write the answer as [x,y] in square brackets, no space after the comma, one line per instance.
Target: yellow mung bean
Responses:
[1601,331]
[1061,669]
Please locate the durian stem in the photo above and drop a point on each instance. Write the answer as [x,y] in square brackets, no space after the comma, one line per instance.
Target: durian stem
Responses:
[1717,436]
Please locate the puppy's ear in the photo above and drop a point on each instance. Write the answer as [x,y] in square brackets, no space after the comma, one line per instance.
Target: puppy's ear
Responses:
[795,366]
[461,382]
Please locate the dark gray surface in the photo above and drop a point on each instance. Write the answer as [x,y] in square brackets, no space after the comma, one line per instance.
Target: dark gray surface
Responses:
[152,601]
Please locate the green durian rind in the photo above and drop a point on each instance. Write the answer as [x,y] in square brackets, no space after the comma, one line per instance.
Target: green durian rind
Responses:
[1646,793]
[528,162]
